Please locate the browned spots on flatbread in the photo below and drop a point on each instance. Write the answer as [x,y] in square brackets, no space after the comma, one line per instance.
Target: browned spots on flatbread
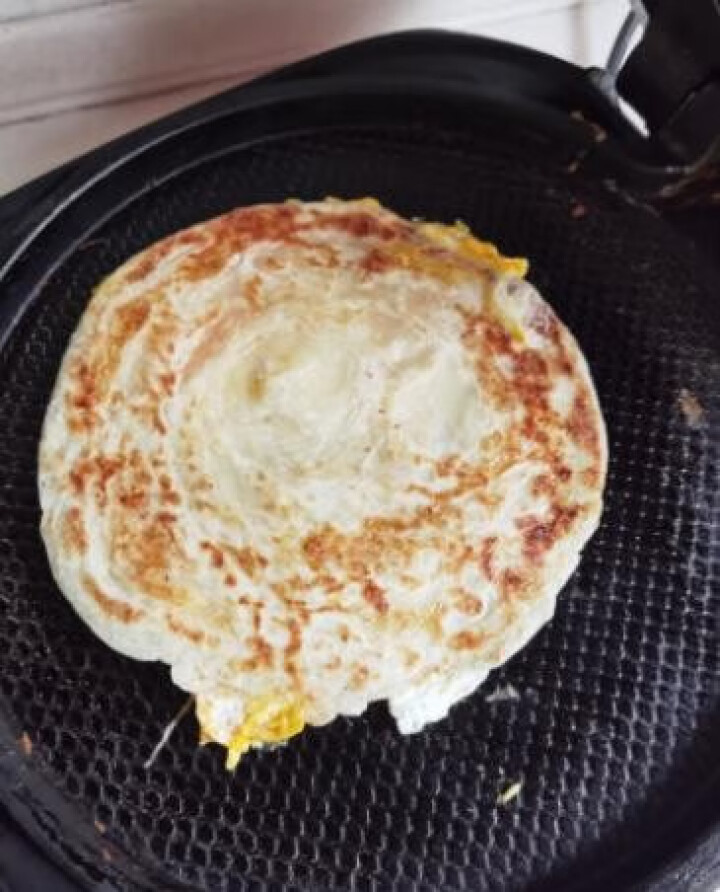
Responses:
[195,636]
[129,319]
[247,601]
[232,233]
[591,477]
[293,648]
[112,607]
[250,560]
[380,542]
[294,638]
[149,552]
[100,470]
[252,293]
[329,583]
[82,400]
[79,475]
[511,584]
[134,480]
[321,256]
[543,485]
[540,534]
[153,256]
[133,499]
[466,603]
[582,424]
[484,340]
[257,384]
[166,517]
[262,656]
[230,579]
[487,555]
[160,335]
[396,244]
[496,337]
[217,558]
[432,622]
[168,495]
[74,537]
[459,554]
[531,367]
[532,381]
[363,224]
[130,471]
[467,640]
[299,609]
[358,677]
[377,261]
[375,596]
[167,381]
[469,479]
[256,621]
[91,375]
[317,547]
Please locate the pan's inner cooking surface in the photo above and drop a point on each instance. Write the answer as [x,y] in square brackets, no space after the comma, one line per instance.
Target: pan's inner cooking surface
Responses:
[616,726]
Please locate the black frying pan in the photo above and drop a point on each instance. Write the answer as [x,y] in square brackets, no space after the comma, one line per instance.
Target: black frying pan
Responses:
[615,734]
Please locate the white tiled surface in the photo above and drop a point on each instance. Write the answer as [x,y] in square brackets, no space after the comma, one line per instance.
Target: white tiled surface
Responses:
[75,73]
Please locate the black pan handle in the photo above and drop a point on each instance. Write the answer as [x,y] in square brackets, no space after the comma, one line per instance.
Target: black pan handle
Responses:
[672,77]
[23,868]
[491,68]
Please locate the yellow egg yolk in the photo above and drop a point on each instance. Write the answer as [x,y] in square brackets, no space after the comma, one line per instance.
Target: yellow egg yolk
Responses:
[458,238]
[269,719]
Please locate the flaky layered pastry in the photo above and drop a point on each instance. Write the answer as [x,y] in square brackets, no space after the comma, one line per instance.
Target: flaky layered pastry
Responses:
[313,455]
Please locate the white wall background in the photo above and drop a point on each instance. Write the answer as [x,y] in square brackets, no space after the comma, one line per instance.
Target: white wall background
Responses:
[75,73]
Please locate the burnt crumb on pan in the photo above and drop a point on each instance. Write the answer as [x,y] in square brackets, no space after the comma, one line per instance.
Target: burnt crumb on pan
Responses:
[691,407]
[26,744]
[578,211]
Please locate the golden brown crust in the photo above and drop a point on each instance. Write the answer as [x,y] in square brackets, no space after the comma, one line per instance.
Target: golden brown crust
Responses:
[74,536]
[117,610]
[375,595]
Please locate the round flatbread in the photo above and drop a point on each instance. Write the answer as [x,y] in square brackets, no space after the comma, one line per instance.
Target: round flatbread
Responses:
[313,455]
